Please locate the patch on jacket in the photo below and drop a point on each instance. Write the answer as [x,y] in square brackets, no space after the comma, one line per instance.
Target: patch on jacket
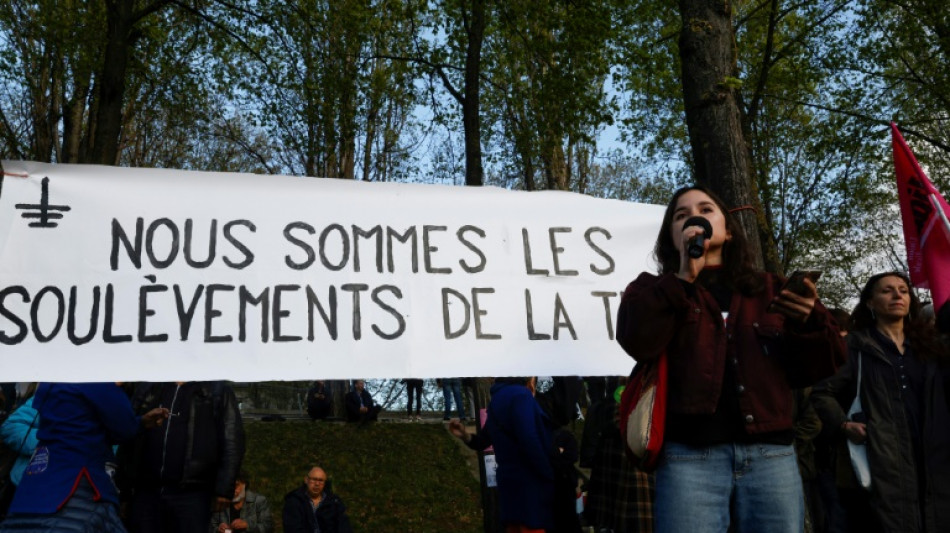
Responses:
[39,461]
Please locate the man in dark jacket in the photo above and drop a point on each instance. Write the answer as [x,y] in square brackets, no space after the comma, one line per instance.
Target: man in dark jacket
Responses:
[313,507]
[360,406]
[178,473]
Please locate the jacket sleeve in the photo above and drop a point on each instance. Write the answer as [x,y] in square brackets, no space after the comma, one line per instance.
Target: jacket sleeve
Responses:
[368,399]
[480,440]
[294,521]
[20,428]
[217,518]
[830,396]
[352,403]
[815,349]
[230,443]
[807,422]
[114,410]
[649,313]
[264,523]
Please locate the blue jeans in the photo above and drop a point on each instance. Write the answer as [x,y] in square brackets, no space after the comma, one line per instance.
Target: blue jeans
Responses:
[755,487]
[453,387]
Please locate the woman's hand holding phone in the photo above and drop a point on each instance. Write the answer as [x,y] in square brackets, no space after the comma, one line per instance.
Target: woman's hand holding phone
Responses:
[796,299]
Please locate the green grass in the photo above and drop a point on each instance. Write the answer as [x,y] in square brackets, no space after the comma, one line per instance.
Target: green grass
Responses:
[392,477]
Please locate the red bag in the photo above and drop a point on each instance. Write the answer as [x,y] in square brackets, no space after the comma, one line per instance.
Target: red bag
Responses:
[643,412]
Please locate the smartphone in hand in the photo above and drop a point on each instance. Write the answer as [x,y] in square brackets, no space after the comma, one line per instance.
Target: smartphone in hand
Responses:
[796,283]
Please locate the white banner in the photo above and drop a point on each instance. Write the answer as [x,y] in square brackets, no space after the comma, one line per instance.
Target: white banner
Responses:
[113,273]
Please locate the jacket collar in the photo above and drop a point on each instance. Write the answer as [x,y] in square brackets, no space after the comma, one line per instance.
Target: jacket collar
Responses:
[863,341]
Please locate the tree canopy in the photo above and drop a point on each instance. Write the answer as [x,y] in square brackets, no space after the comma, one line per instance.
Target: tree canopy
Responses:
[604,97]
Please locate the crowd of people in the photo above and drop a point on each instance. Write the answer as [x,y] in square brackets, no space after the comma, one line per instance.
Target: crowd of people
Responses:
[156,457]
[761,378]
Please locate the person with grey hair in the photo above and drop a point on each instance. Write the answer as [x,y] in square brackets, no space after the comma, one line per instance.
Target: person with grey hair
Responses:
[249,511]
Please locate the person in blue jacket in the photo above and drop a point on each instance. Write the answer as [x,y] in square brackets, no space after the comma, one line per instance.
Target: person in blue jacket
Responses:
[18,433]
[518,429]
[68,484]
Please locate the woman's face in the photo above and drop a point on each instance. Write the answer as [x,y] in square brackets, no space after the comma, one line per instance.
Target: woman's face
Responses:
[697,203]
[890,299]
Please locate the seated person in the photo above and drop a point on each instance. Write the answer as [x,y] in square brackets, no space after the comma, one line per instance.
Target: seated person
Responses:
[248,512]
[319,401]
[313,507]
[359,404]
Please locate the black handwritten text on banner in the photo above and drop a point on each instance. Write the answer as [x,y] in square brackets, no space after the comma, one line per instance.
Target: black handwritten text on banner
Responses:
[141,274]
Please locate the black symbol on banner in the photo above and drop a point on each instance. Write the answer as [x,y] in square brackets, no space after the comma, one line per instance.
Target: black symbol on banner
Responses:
[43,211]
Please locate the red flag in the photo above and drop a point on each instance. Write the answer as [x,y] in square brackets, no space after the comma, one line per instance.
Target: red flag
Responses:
[926,227]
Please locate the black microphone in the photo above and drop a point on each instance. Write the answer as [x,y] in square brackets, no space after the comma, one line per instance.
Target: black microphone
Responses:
[696,246]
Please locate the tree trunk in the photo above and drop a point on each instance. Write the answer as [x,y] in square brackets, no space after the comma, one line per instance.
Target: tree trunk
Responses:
[471,121]
[43,109]
[111,83]
[720,154]
[555,166]
[528,172]
[121,18]
[338,390]
[73,120]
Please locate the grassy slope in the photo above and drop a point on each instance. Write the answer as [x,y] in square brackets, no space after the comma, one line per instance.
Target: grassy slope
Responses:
[392,477]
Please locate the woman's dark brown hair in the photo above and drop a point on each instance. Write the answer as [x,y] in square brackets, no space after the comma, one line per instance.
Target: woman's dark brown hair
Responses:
[737,261]
[920,333]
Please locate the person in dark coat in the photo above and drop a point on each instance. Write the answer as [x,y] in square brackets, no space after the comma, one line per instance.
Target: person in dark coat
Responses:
[559,403]
[177,475]
[518,429]
[314,507]
[906,421]
[360,406]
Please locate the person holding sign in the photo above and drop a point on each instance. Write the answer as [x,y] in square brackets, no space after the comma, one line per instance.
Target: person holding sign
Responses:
[736,342]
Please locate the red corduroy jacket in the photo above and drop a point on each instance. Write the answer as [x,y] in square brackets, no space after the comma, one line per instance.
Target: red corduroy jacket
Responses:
[770,354]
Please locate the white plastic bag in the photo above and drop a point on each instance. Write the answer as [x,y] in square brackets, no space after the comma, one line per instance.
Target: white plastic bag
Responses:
[859,452]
